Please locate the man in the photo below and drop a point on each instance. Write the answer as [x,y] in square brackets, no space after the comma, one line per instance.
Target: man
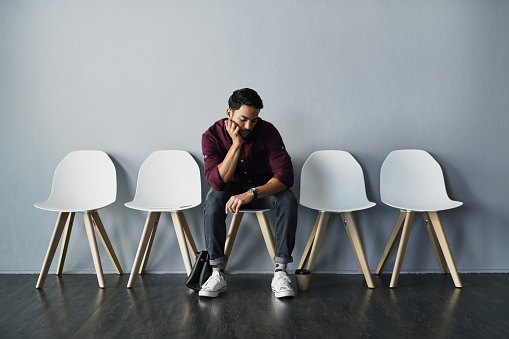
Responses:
[246,164]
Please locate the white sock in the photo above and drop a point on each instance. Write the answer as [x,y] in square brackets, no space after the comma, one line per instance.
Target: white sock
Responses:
[280,267]
[218,268]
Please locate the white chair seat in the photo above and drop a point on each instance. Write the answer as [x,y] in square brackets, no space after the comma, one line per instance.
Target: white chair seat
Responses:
[345,207]
[140,206]
[428,206]
[253,210]
[69,206]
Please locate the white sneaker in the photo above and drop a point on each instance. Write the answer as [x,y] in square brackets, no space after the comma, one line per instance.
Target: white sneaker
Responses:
[281,285]
[214,285]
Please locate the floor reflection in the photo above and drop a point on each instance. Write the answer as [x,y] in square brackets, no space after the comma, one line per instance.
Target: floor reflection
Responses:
[437,316]
[159,307]
[62,304]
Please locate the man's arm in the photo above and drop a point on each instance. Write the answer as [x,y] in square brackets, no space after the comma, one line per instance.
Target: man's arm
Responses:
[281,167]
[228,166]
[273,186]
[220,167]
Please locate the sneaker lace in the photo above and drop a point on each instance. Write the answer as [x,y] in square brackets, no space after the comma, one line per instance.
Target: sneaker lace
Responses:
[283,282]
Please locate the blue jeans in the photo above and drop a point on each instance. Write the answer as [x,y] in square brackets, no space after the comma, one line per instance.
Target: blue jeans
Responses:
[283,203]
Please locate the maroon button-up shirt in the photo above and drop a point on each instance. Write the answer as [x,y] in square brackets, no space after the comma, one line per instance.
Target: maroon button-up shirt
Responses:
[263,156]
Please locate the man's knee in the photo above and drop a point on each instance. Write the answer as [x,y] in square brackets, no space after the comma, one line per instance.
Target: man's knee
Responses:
[214,200]
[286,199]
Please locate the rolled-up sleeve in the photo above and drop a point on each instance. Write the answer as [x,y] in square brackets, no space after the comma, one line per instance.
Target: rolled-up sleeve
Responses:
[280,160]
[212,158]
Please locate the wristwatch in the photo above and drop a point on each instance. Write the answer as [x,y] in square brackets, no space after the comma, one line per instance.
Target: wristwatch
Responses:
[254,191]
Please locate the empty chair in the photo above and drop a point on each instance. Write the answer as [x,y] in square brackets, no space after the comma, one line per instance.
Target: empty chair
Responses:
[84,181]
[264,226]
[333,182]
[412,181]
[168,181]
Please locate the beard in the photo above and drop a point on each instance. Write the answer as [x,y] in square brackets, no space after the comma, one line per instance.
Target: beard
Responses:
[245,133]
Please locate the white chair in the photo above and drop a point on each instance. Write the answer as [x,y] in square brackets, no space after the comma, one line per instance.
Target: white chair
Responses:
[333,182]
[168,181]
[264,226]
[84,181]
[412,181]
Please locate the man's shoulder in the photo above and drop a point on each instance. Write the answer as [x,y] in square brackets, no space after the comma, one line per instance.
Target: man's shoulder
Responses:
[266,125]
[215,129]
[267,128]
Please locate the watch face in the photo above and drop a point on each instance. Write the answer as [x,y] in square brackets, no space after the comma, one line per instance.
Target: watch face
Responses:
[254,191]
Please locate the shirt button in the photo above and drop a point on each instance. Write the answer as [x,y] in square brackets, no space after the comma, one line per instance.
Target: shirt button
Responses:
[241,160]
[245,172]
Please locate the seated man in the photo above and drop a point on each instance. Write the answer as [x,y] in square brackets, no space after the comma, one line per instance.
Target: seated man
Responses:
[246,164]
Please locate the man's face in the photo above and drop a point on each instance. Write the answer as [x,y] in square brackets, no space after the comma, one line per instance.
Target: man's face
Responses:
[245,117]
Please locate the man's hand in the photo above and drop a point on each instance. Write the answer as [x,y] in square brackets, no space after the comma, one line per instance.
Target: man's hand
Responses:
[234,131]
[236,201]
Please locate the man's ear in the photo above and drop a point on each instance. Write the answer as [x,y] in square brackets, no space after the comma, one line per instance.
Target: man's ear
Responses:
[229,113]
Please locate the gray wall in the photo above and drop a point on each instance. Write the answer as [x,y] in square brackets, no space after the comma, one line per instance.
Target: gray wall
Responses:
[368,77]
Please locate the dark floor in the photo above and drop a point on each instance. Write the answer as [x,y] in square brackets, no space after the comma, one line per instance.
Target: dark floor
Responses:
[160,306]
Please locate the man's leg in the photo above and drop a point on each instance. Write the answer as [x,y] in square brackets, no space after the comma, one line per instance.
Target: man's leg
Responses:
[215,238]
[285,205]
[214,217]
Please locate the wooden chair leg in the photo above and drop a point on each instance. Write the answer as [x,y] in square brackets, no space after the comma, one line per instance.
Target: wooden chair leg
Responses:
[407,227]
[355,240]
[143,266]
[267,235]
[106,241]
[178,218]
[152,217]
[442,240]
[307,249]
[390,244]
[345,223]
[55,238]
[93,248]
[189,239]
[320,232]
[65,242]
[434,242]
[232,234]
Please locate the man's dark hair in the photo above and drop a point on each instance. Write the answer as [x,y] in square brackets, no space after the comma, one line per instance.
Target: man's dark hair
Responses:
[245,96]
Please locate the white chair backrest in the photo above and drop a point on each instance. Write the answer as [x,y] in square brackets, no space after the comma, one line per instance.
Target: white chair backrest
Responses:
[169,179]
[412,179]
[83,181]
[333,181]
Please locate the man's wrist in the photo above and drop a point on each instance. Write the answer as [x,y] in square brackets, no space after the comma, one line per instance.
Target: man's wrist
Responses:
[254,191]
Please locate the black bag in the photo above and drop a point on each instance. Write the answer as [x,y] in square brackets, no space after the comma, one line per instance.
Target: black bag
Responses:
[201,271]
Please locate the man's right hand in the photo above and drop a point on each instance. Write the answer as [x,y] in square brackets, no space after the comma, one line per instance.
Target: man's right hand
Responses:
[227,167]
[234,131]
